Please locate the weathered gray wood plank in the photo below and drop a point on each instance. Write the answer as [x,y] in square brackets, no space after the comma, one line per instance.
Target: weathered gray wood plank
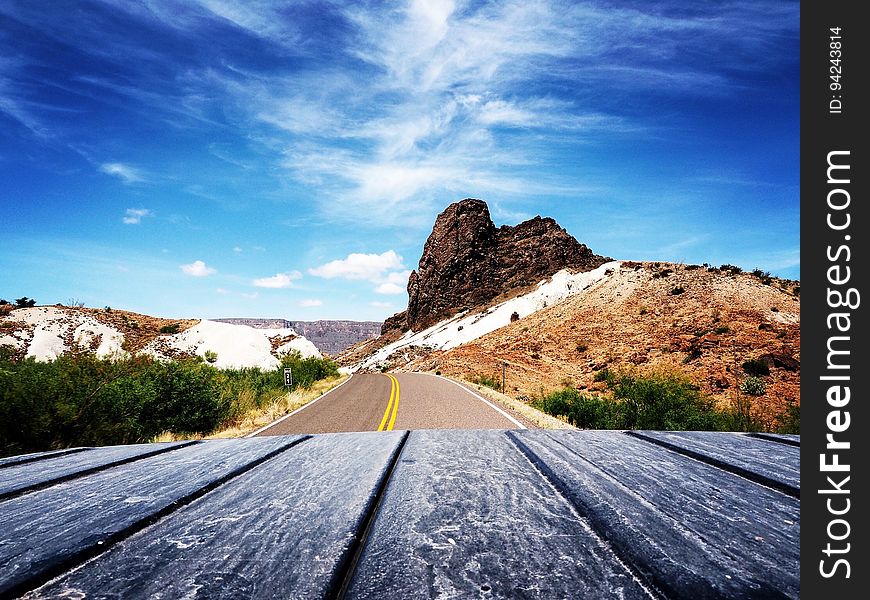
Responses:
[285,529]
[693,530]
[466,515]
[48,531]
[767,462]
[784,438]
[22,477]
[20,459]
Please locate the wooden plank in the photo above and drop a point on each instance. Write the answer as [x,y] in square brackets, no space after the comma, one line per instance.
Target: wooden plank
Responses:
[25,477]
[691,529]
[784,438]
[285,529]
[465,514]
[20,459]
[763,461]
[51,530]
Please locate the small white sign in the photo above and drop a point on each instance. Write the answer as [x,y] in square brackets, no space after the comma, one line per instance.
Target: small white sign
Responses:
[288,377]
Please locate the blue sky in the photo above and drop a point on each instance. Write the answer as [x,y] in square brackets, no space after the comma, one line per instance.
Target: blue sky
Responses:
[287,159]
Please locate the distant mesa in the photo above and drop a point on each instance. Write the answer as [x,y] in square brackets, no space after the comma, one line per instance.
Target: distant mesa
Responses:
[328,336]
[468,261]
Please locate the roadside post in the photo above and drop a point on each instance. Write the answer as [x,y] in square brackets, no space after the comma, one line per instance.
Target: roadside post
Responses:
[288,377]
[503,372]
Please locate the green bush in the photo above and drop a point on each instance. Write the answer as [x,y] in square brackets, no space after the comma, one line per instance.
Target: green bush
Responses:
[790,420]
[489,382]
[581,410]
[656,401]
[754,386]
[663,401]
[602,375]
[171,328]
[81,400]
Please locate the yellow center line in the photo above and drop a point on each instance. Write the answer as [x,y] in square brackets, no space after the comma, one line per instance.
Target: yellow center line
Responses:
[395,405]
[393,393]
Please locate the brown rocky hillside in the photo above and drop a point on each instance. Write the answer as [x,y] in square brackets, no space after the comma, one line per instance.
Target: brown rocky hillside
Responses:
[702,322]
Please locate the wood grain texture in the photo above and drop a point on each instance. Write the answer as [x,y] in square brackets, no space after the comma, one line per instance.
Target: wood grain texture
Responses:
[439,513]
[692,531]
[47,531]
[20,459]
[23,477]
[765,461]
[282,530]
[466,515]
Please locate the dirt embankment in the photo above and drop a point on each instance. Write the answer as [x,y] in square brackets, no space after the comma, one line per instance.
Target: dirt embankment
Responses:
[702,322]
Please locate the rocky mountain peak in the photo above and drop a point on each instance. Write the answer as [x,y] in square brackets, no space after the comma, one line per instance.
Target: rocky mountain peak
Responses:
[467,261]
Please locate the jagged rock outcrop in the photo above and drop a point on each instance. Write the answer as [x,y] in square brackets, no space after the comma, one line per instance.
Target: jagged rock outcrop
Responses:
[467,261]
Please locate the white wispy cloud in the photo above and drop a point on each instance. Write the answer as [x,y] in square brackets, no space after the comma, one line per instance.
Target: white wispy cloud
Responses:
[389,289]
[125,173]
[310,302]
[385,270]
[370,267]
[394,283]
[197,269]
[134,215]
[277,281]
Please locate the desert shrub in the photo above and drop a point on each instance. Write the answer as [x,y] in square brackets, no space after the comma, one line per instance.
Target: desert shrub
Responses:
[306,370]
[754,386]
[582,347]
[653,401]
[24,302]
[602,375]
[81,400]
[581,410]
[741,417]
[171,328]
[489,382]
[188,399]
[210,356]
[790,420]
[663,401]
[5,309]
[677,290]
[722,329]
[734,270]
[756,367]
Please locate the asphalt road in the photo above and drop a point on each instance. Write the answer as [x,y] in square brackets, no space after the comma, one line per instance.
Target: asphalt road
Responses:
[384,402]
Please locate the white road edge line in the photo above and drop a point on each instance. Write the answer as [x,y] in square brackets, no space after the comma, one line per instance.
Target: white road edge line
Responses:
[303,407]
[482,399]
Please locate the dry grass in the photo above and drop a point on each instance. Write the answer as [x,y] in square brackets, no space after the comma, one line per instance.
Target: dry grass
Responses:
[256,418]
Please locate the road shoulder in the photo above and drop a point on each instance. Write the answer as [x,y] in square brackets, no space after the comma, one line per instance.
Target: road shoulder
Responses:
[532,418]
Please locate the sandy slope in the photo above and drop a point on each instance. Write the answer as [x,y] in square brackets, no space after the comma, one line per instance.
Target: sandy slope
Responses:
[46,332]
